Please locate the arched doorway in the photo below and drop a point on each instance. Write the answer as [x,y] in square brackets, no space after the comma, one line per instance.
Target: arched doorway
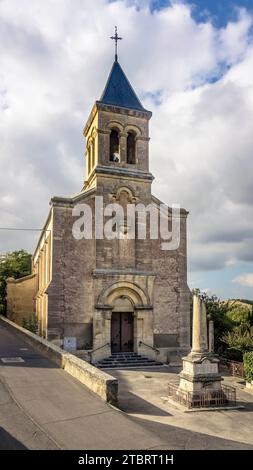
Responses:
[122,326]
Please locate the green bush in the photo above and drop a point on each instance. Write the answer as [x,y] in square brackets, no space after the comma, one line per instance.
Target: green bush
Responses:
[31,323]
[240,338]
[248,366]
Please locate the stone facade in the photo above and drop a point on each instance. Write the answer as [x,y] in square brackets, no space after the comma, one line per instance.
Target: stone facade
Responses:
[83,282]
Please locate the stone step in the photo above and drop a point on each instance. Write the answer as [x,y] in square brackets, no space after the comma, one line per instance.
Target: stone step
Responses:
[125,355]
[127,365]
[124,352]
[126,359]
[134,359]
[100,364]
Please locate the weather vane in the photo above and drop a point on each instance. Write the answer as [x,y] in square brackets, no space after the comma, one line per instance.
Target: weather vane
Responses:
[116,38]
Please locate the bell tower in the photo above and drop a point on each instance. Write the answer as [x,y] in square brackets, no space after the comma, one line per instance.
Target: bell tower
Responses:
[117,132]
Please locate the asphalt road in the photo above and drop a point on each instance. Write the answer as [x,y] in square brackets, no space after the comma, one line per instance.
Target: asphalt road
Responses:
[43,407]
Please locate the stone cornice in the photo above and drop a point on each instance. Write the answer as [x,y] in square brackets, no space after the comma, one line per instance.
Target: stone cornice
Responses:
[59,201]
[124,271]
[144,114]
[125,172]
[122,110]
[11,280]
[157,202]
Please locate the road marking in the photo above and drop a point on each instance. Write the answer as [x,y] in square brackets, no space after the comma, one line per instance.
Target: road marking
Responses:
[23,349]
[12,359]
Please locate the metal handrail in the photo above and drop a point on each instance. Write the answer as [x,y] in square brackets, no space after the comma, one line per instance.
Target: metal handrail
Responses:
[151,347]
[97,349]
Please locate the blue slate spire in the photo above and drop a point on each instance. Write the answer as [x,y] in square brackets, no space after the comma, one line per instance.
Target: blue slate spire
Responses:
[118,90]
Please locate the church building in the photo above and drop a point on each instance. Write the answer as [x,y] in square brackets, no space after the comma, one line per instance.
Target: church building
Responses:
[111,295]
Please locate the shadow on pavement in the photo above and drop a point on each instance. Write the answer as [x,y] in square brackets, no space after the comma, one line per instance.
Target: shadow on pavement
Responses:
[131,403]
[176,438]
[8,442]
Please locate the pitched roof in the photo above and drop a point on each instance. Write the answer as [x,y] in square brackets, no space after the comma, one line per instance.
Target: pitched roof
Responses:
[118,90]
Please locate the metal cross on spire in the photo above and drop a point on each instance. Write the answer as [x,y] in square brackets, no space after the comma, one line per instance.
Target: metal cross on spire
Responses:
[116,38]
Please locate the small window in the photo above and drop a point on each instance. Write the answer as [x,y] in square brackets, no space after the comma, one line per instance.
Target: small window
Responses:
[114,146]
[89,159]
[131,144]
[93,153]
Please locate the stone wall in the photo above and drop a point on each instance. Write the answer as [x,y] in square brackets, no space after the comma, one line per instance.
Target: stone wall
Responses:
[171,294]
[21,298]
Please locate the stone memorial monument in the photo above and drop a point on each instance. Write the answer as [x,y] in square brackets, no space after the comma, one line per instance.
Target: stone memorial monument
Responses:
[200,380]
[200,368]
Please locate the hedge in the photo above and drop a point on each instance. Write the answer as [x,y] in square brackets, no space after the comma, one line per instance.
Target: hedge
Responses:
[248,366]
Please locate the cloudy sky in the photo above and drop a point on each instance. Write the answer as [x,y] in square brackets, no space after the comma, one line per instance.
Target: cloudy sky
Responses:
[190,62]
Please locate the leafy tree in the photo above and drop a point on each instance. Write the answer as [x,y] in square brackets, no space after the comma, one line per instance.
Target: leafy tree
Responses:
[233,325]
[240,339]
[246,301]
[16,264]
[240,313]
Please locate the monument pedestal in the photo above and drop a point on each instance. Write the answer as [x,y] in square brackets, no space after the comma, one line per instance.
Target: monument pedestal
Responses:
[200,374]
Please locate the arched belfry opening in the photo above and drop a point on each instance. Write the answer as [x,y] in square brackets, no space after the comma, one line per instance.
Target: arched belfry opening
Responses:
[114,146]
[131,148]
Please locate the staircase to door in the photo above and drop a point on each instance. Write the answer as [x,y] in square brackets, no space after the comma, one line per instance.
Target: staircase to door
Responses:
[125,360]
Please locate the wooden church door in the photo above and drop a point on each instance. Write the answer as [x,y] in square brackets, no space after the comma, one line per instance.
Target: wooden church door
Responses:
[122,332]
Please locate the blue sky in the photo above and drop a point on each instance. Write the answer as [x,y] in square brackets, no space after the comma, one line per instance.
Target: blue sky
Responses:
[191,63]
[219,11]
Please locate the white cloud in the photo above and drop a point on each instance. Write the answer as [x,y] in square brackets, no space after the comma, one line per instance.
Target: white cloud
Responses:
[244,280]
[54,60]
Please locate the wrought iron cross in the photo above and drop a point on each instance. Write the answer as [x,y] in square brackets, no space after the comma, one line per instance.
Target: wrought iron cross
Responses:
[116,38]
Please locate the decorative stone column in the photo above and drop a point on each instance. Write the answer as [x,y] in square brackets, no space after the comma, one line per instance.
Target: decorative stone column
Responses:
[204,341]
[197,327]
[211,336]
[123,147]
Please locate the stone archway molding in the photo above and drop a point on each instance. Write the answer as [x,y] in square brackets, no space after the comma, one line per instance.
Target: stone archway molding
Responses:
[137,296]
